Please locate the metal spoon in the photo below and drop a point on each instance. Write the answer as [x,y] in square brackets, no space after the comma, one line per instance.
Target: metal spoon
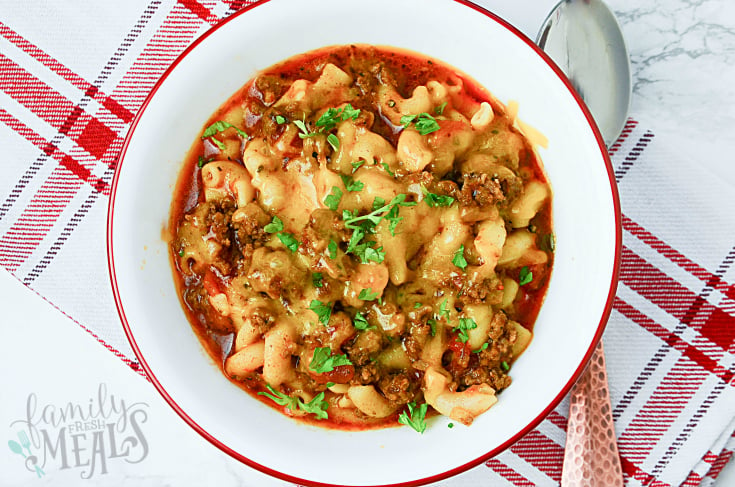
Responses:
[584,39]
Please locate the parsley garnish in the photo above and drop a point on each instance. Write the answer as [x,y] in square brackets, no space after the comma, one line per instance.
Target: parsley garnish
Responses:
[288,240]
[356,165]
[434,200]
[329,119]
[387,169]
[280,119]
[367,295]
[415,417]
[416,305]
[316,279]
[317,406]
[333,198]
[304,131]
[276,225]
[465,324]
[350,184]
[202,161]
[443,311]
[360,322]
[504,365]
[219,126]
[525,276]
[181,253]
[432,323]
[377,215]
[322,310]
[483,347]
[333,141]
[423,122]
[440,109]
[450,425]
[332,249]
[459,259]
[323,360]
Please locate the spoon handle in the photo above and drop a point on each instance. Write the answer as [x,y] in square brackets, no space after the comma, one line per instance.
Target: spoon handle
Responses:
[591,455]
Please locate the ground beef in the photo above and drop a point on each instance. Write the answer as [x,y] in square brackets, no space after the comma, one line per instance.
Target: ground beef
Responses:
[398,388]
[366,374]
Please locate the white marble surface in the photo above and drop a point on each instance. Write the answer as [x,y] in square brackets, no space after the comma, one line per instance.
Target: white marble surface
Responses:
[683,59]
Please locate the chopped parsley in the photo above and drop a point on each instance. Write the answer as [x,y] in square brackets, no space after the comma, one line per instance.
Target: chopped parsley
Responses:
[504,365]
[218,127]
[323,360]
[317,279]
[525,276]
[450,425]
[434,200]
[329,119]
[372,219]
[332,249]
[181,253]
[203,161]
[424,123]
[356,165]
[416,305]
[280,119]
[333,198]
[432,323]
[368,295]
[275,226]
[443,310]
[387,169]
[317,406]
[483,347]
[459,259]
[465,324]
[323,311]
[415,417]
[350,184]
[440,109]
[305,132]
[288,240]
[360,322]
[333,141]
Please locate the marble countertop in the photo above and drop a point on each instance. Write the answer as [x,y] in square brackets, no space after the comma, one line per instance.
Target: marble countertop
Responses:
[683,60]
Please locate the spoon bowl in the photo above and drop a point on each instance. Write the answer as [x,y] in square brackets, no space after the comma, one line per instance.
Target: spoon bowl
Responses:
[585,40]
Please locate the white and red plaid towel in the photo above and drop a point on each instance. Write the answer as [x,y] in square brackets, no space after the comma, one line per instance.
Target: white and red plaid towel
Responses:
[73,75]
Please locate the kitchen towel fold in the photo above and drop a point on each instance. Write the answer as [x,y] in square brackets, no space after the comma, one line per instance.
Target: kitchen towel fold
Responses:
[73,75]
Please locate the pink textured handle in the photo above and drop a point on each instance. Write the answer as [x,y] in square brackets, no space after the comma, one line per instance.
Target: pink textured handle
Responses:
[591,455]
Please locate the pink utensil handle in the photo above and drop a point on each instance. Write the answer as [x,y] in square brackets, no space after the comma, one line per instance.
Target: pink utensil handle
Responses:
[591,455]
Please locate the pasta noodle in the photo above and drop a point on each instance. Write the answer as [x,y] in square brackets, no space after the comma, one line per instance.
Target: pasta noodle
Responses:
[363,237]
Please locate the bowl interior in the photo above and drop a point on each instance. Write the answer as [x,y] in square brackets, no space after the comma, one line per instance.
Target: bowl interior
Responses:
[585,222]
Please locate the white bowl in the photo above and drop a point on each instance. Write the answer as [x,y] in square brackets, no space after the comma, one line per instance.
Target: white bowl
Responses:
[585,211]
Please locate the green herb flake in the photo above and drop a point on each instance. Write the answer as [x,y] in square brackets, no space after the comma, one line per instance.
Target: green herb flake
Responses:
[450,425]
[416,305]
[459,259]
[304,130]
[333,141]
[323,360]
[525,276]
[415,417]
[368,295]
[350,112]
[443,310]
[424,123]
[280,398]
[387,169]
[288,240]
[360,322]
[465,324]
[219,126]
[434,200]
[504,365]
[181,253]
[332,199]
[483,347]
[317,279]
[440,109]
[275,226]
[317,406]
[432,323]
[323,311]
[332,249]
[202,161]
[280,119]
[356,165]
[350,184]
